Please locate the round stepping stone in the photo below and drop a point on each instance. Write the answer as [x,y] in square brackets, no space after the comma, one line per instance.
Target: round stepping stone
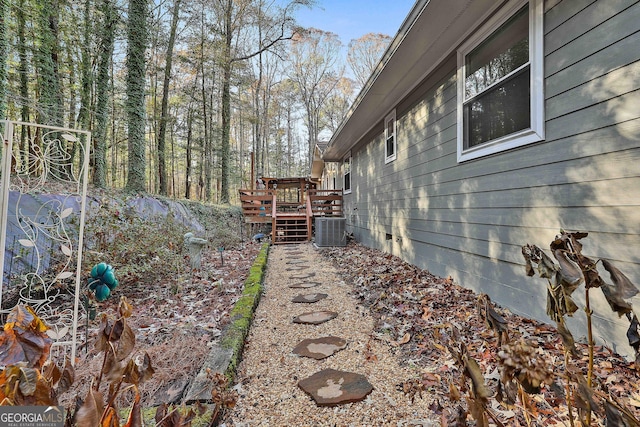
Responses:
[304,285]
[315,317]
[306,276]
[309,298]
[330,387]
[320,348]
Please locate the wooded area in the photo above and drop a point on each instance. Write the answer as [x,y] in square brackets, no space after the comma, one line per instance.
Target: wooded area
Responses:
[178,93]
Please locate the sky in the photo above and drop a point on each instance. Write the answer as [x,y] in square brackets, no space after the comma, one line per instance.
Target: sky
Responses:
[352,19]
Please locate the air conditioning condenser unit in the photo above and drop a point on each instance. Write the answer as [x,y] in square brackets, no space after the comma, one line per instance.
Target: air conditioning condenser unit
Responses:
[331,232]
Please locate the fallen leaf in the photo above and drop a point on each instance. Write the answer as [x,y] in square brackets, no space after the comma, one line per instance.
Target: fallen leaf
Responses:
[405,339]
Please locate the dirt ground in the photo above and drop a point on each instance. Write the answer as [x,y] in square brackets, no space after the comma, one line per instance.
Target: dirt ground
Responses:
[413,314]
[175,321]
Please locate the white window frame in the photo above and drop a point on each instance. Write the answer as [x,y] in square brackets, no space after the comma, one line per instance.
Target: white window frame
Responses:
[536,132]
[390,118]
[346,170]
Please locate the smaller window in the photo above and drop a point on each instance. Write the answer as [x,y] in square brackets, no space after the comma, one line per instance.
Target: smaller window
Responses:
[346,168]
[390,143]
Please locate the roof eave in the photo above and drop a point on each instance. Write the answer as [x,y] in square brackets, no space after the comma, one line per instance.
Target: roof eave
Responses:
[430,33]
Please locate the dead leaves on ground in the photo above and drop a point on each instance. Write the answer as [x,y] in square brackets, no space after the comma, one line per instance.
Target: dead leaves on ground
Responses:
[415,311]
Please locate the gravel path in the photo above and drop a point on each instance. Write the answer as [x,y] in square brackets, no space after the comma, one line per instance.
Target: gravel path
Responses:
[269,374]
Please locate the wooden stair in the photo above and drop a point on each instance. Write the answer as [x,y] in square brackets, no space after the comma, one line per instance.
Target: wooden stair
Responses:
[290,224]
[291,228]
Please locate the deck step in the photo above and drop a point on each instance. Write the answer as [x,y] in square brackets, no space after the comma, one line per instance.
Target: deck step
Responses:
[290,228]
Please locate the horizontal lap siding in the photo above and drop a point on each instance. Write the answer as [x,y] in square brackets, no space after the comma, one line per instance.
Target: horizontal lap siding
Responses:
[469,220]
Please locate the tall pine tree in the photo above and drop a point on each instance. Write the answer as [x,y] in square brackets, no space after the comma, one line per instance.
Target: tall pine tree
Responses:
[105,51]
[46,59]
[162,131]
[135,107]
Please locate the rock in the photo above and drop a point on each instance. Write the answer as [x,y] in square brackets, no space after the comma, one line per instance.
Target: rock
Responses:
[330,387]
[315,317]
[320,348]
[217,361]
[170,393]
[309,298]
[297,268]
[306,276]
[304,285]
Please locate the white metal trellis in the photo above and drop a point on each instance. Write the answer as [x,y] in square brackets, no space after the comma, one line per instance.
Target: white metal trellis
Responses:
[43,198]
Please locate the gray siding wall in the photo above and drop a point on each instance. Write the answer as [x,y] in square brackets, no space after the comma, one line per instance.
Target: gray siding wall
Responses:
[469,220]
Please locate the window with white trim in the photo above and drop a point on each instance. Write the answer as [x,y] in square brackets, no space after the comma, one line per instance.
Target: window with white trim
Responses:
[500,82]
[390,142]
[346,171]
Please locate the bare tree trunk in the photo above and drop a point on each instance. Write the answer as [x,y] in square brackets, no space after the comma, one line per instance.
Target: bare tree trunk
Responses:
[105,53]
[226,103]
[203,183]
[162,168]
[187,190]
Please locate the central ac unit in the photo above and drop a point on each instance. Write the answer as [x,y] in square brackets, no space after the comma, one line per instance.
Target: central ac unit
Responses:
[331,232]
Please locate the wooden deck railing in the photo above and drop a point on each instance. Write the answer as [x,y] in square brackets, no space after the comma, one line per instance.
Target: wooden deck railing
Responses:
[325,202]
[262,206]
[257,205]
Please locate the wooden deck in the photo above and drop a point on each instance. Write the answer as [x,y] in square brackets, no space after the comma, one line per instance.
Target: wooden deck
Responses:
[291,222]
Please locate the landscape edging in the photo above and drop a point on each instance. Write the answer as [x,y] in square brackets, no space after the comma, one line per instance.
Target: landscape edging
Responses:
[242,312]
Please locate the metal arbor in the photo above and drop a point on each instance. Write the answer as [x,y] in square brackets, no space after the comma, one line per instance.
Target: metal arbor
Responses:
[43,202]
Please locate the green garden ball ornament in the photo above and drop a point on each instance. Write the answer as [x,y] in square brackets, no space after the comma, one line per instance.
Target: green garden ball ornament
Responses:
[103,281]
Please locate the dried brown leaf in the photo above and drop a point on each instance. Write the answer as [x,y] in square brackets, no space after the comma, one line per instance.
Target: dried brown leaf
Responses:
[570,274]
[28,380]
[614,298]
[91,411]
[24,339]
[477,410]
[454,393]
[135,415]
[110,418]
[623,286]
[472,369]
[124,308]
[405,339]
[619,417]
[51,372]
[567,340]
[67,377]
[146,370]
[126,342]
[112,369]
[633,333]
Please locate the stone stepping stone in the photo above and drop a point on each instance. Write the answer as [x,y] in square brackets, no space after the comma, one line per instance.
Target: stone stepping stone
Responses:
[309,298]
[296,261]
[291,252]
[304,285]
[297,268]
[306,276]
[315,317]
[320,348]
[330,387]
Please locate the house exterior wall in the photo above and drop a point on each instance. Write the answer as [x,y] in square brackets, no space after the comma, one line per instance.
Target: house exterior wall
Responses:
[470,219]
